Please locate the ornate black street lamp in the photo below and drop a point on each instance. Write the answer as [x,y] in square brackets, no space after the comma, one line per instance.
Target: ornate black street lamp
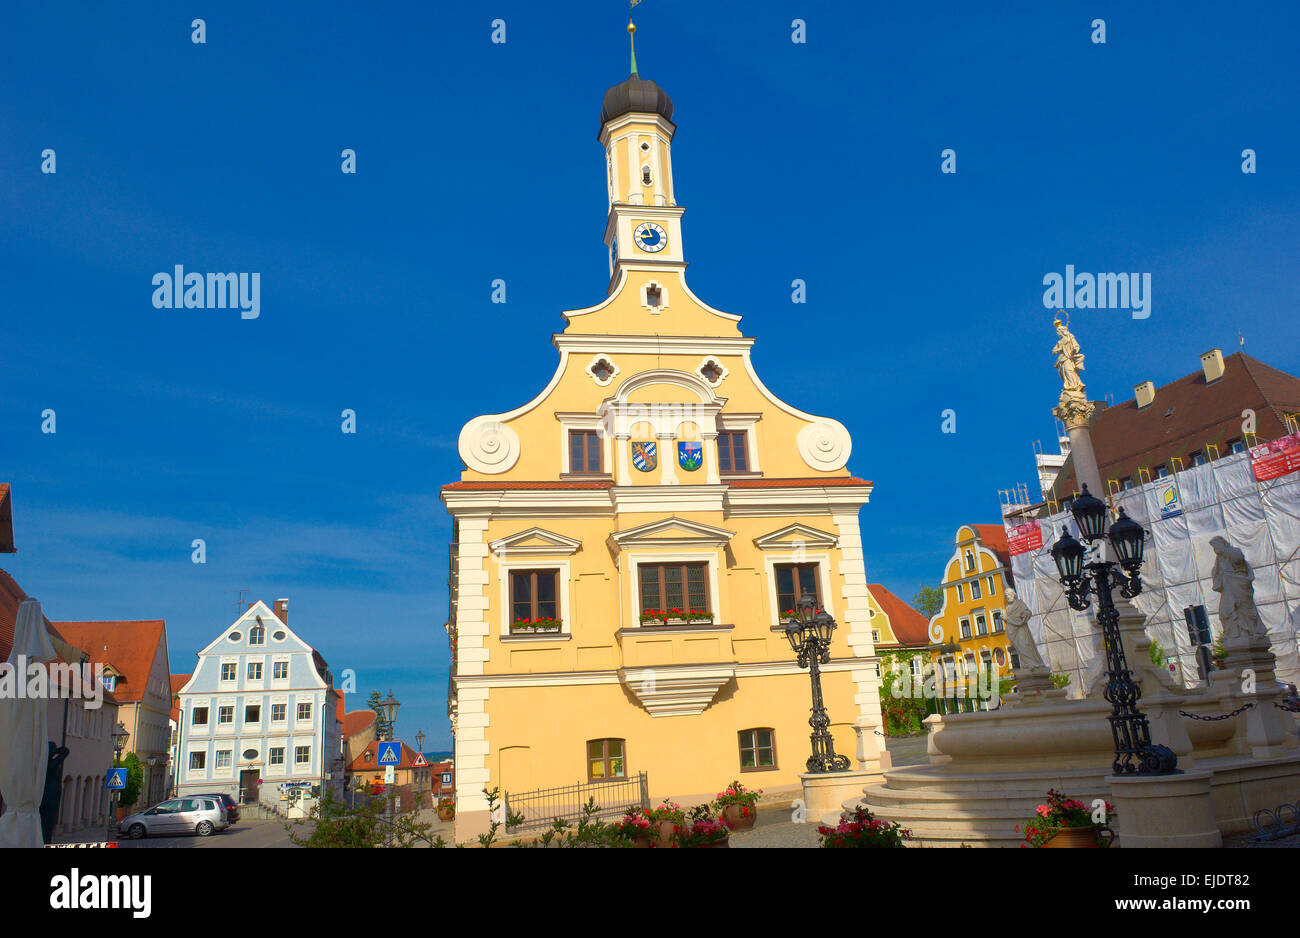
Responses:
[1128,724]
[810,637]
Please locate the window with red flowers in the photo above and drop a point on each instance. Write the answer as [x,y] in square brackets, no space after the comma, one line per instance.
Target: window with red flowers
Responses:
[675,588]
[794,581]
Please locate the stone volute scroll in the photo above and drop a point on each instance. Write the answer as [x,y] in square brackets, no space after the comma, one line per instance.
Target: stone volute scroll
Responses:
[825,445]
[488,445]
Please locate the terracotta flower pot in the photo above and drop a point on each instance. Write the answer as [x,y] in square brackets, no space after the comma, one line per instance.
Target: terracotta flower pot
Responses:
[723,842]
[665,838]
[642,841]
[739,817]
[446,814]
[1078,837]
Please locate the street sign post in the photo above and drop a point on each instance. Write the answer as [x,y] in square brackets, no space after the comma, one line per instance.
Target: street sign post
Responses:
[390,753]
[115,780]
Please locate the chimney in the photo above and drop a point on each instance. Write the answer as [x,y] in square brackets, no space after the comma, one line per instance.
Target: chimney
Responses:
[1145,393]
[282,610]
[1212,365]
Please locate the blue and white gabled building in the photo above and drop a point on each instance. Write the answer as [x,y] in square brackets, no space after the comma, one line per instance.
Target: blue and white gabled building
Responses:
[259,718]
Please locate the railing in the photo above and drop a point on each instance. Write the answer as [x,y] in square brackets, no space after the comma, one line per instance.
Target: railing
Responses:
[541,807]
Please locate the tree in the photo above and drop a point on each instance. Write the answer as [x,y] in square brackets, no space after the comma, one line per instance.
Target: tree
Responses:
[383,729]
[928,601]
[134,780]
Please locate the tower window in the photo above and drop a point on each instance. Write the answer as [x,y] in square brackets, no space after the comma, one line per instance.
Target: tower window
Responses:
[645,146]
[603,370]
[645,176]
[653,297]
[712,372]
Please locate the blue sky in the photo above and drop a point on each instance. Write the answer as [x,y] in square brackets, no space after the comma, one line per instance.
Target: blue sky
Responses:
[477,161]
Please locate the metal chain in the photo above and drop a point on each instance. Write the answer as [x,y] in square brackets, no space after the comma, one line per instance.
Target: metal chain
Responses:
[1286,708]
[1226,716]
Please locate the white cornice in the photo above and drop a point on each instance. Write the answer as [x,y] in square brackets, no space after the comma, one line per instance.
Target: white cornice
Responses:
[696,534]
[653,344]
[553,544]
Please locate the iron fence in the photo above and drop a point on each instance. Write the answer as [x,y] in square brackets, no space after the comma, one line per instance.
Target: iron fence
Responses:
[540,808]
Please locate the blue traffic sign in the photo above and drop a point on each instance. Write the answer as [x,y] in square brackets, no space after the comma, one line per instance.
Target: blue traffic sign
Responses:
[115,780]
[390,753]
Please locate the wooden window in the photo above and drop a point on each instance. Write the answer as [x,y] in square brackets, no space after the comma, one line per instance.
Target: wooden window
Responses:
[794,581]
[974,589]
[606,758]
[534,594]
[584,451]
[669,586]
[254,670]
[199,717]
[757,750]
[733,451]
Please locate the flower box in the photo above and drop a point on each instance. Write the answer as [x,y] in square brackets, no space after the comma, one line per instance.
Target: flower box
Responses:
[534,626]
[653,617]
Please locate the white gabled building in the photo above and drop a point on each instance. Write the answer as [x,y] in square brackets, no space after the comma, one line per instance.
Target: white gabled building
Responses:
[259,718]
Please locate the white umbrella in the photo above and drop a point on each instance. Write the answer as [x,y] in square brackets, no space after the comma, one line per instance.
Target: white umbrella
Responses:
[24,736]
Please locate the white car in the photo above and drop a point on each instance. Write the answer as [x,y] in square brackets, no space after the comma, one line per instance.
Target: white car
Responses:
[201,815]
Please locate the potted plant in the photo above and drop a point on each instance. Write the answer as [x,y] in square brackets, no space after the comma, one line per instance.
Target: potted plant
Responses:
[738,806]
[862,829]
[705,832]
[446,809]
[667,820]
[528,626]
[638,827]
[675,616]
[1067,822]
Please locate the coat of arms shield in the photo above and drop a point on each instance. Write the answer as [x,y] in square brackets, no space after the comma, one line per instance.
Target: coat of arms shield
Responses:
[690,456]
[645,455]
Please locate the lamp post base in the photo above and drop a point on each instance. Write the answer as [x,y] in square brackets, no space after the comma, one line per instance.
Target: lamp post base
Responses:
[825,792]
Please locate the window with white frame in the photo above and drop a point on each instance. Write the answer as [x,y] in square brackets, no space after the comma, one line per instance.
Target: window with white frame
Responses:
[198,761]
[998,625]
[229,671]
[277,712]
[992,586]
[981,625]
[974,589]
[301,755]
[304,710]
[254,670]
[280,671]
[961,593]
[965,628]
[226,715]
[199,716]
[970,560]
[275,755]
[224,758]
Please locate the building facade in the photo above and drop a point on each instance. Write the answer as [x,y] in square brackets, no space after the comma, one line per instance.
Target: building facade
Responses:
[259,717]
[628,545]
[136,671]
[969,632]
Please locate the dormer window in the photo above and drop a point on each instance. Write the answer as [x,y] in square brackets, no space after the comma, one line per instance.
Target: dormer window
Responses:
[257,635]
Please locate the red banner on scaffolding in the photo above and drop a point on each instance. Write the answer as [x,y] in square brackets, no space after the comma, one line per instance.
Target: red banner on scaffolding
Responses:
[1025,537]
[1275,459]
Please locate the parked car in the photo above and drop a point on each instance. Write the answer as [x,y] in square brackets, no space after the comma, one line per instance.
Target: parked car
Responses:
[232,806]
[200,814]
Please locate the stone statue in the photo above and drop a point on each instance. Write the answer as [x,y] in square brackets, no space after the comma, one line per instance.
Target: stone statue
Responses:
[1233,581]
[1069,357]
[1017,617]
[1073,409]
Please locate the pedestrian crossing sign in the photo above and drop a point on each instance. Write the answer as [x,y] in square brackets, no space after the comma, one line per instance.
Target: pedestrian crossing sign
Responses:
[390,753]
[115,780]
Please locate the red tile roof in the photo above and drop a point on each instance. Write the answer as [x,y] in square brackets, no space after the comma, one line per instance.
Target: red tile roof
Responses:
[994,537]
[357,721]
[130,647]
[909,626]
[6,521]
[178,681]
[339,711]
[11,597]
[486,486]
[1126,438]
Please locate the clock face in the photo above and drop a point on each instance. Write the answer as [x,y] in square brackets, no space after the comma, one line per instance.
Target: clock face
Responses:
[650,237]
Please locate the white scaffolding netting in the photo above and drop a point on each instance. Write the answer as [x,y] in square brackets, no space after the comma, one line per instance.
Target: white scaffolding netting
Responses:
[1218,498]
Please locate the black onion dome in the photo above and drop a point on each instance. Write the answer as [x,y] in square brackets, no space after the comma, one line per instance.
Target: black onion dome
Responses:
[636,94]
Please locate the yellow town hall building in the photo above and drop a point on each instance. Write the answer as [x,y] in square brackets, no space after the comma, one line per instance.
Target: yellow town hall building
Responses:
[626,543]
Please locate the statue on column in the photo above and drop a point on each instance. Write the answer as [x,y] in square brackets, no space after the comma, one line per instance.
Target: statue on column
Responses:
[1074,410]
[1233,581]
